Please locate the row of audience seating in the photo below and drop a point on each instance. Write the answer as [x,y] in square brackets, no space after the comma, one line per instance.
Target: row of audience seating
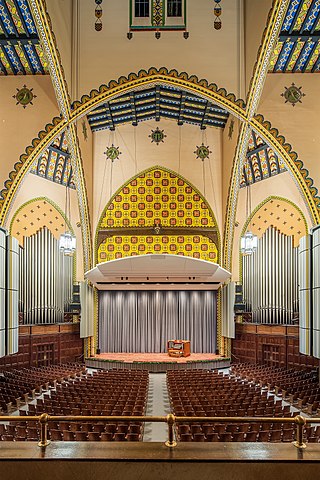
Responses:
[300,388]
[114,392]
[16,386]
[203,393]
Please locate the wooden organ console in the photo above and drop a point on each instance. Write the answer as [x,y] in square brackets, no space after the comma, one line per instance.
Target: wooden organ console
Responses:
[178,348]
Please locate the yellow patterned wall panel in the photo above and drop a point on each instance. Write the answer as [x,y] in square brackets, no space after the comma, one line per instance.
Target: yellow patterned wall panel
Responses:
[195,246]
[157,195]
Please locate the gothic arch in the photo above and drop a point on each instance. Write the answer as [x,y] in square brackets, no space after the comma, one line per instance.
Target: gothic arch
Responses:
[180,80]
[157,198]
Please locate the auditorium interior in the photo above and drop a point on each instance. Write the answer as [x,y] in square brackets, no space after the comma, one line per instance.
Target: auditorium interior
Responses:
[159,239]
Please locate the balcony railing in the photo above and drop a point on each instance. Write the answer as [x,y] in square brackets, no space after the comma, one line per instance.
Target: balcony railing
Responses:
[171,420]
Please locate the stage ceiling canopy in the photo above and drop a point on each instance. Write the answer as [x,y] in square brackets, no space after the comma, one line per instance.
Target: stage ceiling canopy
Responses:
[157,272]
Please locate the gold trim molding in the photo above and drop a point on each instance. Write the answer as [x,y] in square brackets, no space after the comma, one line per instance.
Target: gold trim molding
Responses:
[182,80]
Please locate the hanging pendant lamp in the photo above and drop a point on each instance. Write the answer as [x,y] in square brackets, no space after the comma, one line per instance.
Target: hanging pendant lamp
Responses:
[67,241]
[249,241]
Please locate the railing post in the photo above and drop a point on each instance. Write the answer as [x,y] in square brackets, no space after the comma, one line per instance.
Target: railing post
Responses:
[44,430]
[300,422]
[170,421]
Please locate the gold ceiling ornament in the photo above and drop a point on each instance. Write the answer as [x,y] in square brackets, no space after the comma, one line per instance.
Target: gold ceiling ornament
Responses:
[157,136]
[202,151]
[293,94]
[112,153]
[24,96]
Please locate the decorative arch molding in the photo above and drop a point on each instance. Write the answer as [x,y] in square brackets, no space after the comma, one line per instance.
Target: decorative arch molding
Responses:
[202,225]
[253,213]
[181,80]
[267,200]
[44,200]
[38,145]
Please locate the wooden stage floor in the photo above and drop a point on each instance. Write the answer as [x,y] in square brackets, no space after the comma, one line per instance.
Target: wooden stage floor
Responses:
[156,362]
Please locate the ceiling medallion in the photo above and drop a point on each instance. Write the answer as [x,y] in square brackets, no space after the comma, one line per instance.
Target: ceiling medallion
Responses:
[293,94]
[202,151]
[24,96]
[112,153]
[157,136]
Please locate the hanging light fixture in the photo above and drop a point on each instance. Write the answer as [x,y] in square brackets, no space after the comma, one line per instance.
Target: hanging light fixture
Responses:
[249,241]
[67,241]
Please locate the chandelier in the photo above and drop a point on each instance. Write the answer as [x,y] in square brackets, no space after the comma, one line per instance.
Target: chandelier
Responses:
[249,241]
[67,241]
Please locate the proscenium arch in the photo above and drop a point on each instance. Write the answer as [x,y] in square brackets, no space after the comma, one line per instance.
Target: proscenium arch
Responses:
[143,172]
[180,80]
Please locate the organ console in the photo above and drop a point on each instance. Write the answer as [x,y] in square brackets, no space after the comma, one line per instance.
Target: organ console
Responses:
[178,348]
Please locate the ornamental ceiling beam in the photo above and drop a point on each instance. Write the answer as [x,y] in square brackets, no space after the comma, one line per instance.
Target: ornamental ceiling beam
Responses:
[269,40]
[48,41]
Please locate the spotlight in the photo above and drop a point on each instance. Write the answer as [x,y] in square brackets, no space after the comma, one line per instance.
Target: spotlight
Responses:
[157,35]
[129,35]
[186,35]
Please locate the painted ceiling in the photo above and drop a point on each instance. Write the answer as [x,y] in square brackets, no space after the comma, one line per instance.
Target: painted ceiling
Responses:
[154,103]
[55,163]
[20,49]
[298,47]
[281,214]
[261,162]
[33,216]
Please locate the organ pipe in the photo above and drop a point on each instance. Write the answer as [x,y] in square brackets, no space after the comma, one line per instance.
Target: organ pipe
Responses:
[46,279]
[270,279]
[9,294]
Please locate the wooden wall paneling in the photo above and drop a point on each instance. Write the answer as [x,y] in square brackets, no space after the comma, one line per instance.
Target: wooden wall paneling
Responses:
[253,342]
[67,345]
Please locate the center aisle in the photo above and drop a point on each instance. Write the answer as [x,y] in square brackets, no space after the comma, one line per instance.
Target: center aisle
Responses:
[158,404]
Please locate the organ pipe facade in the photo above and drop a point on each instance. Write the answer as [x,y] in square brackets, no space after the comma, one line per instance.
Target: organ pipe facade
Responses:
[9,293]
[270,279]
[309,291]
[46,280]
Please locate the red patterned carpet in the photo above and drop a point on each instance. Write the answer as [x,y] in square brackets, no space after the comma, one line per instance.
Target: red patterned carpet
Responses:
[155,357]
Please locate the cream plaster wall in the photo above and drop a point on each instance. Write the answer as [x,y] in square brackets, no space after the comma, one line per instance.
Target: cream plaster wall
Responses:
[60,12]
[34,186]
[86,149]
[165,154]
[208,53]
[255,18]
[18,125]
[281,185]
[229,146]
[298,124]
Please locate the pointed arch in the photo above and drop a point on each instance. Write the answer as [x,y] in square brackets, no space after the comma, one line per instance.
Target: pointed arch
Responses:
[34,222]
[293,211]
[180,80]
[157,211]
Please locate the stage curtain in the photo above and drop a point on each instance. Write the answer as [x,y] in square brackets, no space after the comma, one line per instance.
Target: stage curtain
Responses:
[143,321]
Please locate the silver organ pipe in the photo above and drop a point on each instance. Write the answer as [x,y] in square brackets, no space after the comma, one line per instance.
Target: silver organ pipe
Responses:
[46,279]
[270,279]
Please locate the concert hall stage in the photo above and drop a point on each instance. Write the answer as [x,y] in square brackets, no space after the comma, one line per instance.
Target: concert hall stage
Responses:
[156,362]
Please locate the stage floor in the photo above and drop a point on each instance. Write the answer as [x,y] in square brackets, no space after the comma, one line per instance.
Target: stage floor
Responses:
[156,362]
